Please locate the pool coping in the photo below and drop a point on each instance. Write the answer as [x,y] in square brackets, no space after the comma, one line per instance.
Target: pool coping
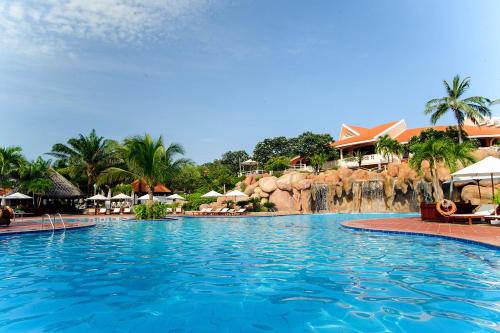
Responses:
[33,231]
[466,240]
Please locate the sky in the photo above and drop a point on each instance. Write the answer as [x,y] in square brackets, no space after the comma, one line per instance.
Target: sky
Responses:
[222,75]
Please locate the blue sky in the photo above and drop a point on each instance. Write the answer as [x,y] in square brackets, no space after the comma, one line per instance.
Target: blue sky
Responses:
[222,75]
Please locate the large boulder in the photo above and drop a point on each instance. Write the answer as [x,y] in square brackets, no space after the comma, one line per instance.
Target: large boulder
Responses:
[297,203]
[258,191]
[303,184]
[250,189]
[268,184]
[332,177]
[284,183]
[282,199]
[481,154]
[470,193]
[296,178]
[393,169]
[305,199]
[344,173]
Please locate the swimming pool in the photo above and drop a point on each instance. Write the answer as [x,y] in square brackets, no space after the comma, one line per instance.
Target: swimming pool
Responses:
[282,274]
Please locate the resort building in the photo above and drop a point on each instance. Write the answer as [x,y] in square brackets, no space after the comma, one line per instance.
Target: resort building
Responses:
[353,138]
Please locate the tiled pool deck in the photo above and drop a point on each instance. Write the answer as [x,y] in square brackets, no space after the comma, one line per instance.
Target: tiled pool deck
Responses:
[478,233]
[30,225]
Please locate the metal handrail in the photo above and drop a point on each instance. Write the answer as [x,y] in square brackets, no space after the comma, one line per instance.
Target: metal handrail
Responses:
[50,219]
[62,221]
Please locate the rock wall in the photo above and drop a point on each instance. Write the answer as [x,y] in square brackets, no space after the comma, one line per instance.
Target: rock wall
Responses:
[396,189]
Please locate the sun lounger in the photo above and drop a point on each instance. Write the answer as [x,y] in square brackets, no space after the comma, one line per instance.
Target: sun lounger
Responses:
[116,210]
[223,211]
[102,211]
[169,210]
[241,211]
[126,210]
[481,212]
[178,210]
[217,211]
[230,212]
[493,219]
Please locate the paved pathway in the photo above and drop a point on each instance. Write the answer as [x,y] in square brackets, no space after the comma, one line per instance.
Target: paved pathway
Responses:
[482,233]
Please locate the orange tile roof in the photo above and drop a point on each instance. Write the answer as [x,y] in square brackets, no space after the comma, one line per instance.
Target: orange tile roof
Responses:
[142,187]
[472,131]
[365,134]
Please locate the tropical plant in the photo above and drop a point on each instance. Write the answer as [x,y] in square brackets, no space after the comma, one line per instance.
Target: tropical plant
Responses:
[154,211]
[146,159]
[318,160]
[122,188]
[497,197]
[270,206]
[277,163]
[255,205]
[309,144]
[388,147]
[232,159]
[188,179]
[356,156]
[218,177]
[273,147]
[441,152]
[11,164]
[195,200]
[35,178]
[86,156]
[475,108]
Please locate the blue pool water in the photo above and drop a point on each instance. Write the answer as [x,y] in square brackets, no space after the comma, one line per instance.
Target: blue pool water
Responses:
[281,274]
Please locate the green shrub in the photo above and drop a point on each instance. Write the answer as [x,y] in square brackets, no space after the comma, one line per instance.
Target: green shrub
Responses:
[270,206]
[156,211]
[497,197]
[194,200]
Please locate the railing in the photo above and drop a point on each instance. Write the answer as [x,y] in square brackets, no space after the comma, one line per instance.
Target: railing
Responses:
[370,159]
[254,172]
[62,221]
[50,219]
[301,167]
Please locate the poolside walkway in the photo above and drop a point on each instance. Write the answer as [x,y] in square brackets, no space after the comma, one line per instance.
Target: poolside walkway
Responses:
[479,233]
[30,225]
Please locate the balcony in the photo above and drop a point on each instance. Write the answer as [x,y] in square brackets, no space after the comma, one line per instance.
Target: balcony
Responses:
[369,160]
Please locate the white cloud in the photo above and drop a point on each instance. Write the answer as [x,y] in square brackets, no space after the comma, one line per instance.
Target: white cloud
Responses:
[35,27]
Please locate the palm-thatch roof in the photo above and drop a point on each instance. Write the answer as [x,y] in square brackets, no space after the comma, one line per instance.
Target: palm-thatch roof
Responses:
[63,188]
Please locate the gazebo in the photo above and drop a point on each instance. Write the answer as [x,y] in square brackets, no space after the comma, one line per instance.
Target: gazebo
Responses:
[140,188]
[63,195]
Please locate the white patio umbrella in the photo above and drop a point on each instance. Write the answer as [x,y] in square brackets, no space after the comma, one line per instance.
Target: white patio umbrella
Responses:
[97,197]
[175,197]
[235,193]
[249,163]
[121,196]
[489,168]
[211,194]
[17,196]
[146,197]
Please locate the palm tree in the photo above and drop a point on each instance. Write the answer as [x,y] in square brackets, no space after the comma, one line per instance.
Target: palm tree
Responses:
[87,156]
[388,147]
[441,152]
[475,108]
[146,159]
[356,156]
[11,164]
[35,178]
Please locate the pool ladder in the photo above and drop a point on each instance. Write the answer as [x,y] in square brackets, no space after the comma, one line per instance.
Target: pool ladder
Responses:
[52,221]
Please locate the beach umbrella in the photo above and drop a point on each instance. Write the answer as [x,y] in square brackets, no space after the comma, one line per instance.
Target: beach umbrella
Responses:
[175,197]
[121,196]
[489,168]
[97,197]
[235,193]
[211,194]
[146,197]
[17,196]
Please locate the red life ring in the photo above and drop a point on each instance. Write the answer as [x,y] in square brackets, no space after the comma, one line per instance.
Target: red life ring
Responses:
[446,207]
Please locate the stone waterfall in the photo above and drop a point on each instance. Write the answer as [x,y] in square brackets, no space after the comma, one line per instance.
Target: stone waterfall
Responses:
[320,197]
[368,196]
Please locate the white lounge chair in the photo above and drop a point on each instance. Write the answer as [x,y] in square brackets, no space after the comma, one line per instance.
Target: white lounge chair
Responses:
[116,210]
[178,210]
[102,211]
[126,210]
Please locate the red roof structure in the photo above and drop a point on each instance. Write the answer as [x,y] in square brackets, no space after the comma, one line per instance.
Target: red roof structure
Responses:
[142,187]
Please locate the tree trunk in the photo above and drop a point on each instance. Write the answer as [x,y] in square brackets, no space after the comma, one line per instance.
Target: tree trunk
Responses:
[438,190]
[150,200]
[459,127]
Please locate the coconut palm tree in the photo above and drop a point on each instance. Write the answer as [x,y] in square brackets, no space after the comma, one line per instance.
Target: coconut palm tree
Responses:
[11,163]
[388,147]
[475,108]
[439,152]
[35,178]
[356,156]
[146,159]
[86,156]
